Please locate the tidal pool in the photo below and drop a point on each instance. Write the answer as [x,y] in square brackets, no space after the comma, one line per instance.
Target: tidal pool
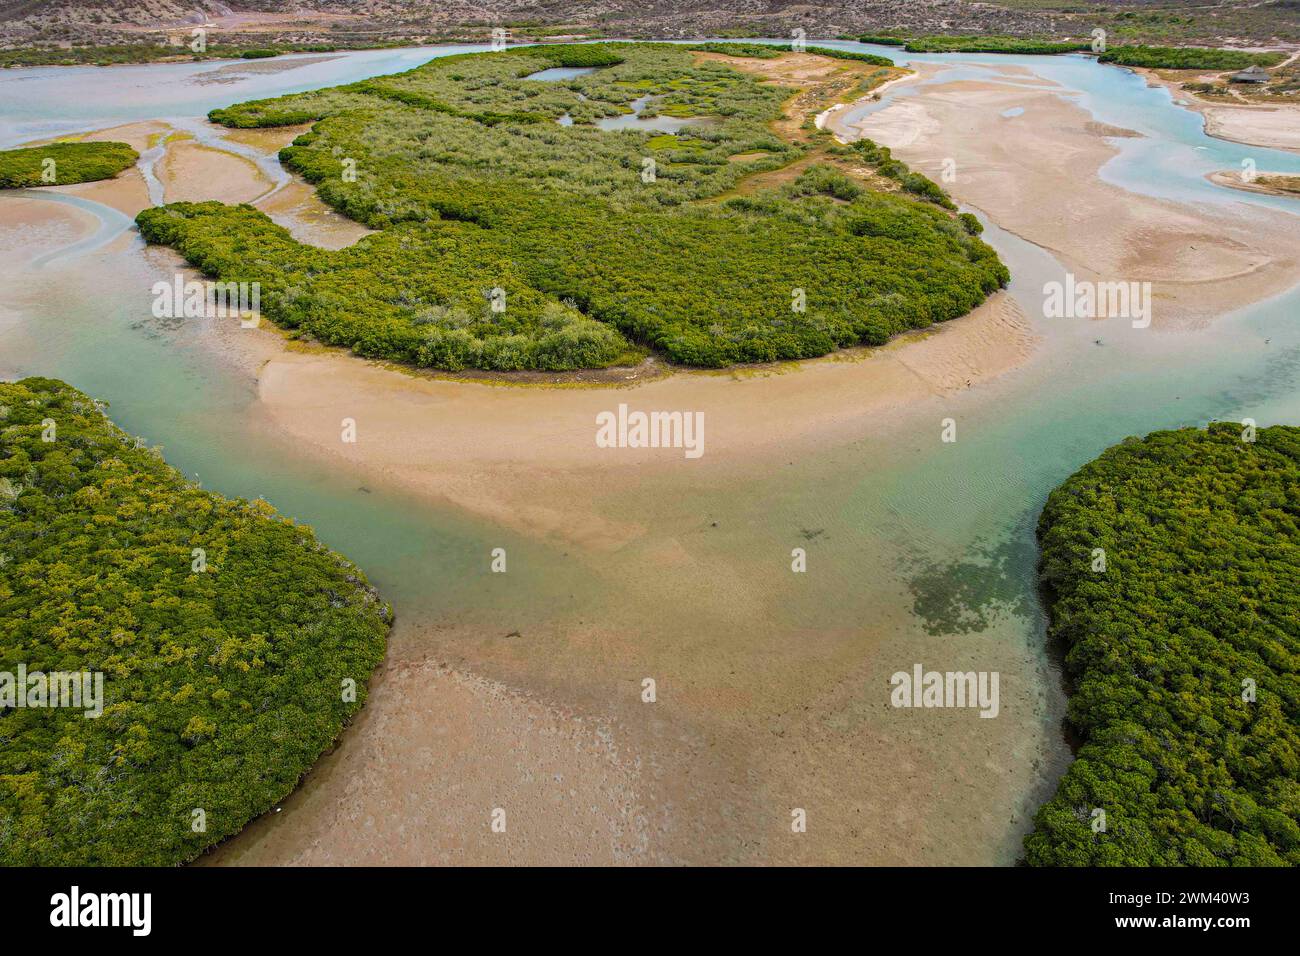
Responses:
[560,73]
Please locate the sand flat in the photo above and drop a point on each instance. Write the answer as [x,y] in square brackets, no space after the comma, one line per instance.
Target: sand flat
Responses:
[445,438]
[1038,178]
[192,172]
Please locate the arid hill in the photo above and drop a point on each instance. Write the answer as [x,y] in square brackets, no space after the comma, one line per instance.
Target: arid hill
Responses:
[359,22]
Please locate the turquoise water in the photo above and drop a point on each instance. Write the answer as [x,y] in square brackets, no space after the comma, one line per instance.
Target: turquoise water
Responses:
[924,545]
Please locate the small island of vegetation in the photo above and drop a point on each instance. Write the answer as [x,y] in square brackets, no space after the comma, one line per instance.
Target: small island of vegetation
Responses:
[1188,58]
[977,44]
[60,164]
[1172,566]
[1152,57]
[533,224]
[232,645]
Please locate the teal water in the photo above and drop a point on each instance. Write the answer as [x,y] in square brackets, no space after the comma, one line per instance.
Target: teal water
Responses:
[556,73]
[41,102]
[925,551]
[649,124]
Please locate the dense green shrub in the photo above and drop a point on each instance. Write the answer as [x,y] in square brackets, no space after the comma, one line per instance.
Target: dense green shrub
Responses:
[838,54]
[111,54]
[1188,58]
[1199,601]
[880,158]
[475,187]
[220,686]
[770,51]
[759,51]
[987,44]
[73,163]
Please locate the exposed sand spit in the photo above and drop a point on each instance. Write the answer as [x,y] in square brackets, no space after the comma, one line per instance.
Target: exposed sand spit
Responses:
[1271,184]
[452,440]
[1038,179]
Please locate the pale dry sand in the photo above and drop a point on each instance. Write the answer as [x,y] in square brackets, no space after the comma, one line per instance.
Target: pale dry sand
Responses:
[1036,176]
[1277,127]
[451,440]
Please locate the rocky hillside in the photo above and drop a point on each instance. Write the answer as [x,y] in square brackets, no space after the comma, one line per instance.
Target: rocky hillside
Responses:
[29,22]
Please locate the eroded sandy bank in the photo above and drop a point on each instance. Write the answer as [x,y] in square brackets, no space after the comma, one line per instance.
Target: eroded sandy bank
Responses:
[1253,124]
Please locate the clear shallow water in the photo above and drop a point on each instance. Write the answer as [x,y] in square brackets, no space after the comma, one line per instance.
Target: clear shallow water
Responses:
[557,73]
[659,124]
[41,102]
[112,224]
[924,551]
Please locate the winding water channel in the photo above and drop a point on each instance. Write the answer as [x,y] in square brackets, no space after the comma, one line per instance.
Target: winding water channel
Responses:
[928,548]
